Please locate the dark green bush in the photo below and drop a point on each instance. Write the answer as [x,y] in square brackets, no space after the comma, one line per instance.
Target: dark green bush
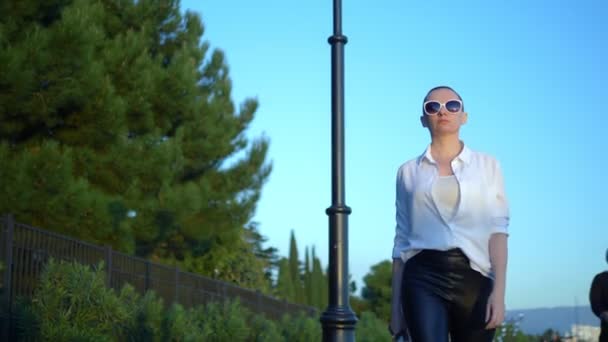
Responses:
[300,328]
[72,302]
[145,315]
[178,326]
[264,330]
[224,321]
[371,329]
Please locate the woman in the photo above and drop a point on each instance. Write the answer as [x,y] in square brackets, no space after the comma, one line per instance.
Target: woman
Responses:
[450,248]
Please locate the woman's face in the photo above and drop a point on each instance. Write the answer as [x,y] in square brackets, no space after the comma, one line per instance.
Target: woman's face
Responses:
[444,122]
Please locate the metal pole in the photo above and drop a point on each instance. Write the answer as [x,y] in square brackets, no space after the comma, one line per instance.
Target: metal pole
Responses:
[338,320]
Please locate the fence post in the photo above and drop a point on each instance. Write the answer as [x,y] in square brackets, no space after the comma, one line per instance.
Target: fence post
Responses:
[258,301]
[108,250]
[7,279]
[176,285]
[147,277]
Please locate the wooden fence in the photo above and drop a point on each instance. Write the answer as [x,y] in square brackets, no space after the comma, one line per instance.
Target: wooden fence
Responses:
[24,250]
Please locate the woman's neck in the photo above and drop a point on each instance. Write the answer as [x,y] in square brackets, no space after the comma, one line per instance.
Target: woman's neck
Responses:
[446,148]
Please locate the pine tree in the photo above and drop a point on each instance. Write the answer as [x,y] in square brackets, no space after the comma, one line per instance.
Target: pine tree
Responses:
[117,126]
[267,256]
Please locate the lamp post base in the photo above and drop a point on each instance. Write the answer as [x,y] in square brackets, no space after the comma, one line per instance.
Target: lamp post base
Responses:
[338,325]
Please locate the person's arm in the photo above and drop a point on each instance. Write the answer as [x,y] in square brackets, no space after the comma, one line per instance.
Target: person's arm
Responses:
[497,248]
[397,323]
[599,308]
[495,312]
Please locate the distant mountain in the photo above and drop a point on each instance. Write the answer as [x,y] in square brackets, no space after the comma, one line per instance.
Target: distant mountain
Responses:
[536,321]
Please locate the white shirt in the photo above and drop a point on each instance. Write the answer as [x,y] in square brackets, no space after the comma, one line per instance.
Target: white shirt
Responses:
[481,211]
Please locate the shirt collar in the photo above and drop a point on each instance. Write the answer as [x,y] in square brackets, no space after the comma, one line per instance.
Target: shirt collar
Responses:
[464,155]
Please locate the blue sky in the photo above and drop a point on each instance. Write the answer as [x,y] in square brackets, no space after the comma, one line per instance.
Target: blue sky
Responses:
[532,75]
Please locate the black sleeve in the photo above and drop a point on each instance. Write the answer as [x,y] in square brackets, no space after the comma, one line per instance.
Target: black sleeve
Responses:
[595,296]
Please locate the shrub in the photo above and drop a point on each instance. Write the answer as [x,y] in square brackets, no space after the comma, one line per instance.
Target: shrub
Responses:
[72,302]
[300,328]
[263,330]
[225,321]
[371,329]
[179,327]
[145,315]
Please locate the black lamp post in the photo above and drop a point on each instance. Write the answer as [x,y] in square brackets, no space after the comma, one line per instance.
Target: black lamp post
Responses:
[338,320]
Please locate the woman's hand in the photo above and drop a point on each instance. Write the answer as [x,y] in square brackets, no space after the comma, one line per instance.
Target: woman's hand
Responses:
[495,310]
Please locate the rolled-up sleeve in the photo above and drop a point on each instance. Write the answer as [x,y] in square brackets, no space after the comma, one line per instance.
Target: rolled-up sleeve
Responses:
[500,204]
[402,217]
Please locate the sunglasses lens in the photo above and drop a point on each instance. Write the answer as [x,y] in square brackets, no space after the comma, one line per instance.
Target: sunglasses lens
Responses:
[432,107]
[453,106]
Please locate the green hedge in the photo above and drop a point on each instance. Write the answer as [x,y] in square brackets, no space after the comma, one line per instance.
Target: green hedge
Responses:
[72,303]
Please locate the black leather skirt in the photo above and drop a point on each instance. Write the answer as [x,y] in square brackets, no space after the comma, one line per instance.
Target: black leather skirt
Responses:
[442,295]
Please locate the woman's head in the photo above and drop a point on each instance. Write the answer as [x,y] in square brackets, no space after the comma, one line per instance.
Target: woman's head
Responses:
[443,111]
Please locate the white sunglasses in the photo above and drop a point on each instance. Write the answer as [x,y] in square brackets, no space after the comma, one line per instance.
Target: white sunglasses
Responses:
[433,107]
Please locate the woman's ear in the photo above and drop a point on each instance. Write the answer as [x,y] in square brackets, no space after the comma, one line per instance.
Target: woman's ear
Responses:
[464,117]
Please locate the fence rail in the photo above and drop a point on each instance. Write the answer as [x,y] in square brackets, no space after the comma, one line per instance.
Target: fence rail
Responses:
[24,250]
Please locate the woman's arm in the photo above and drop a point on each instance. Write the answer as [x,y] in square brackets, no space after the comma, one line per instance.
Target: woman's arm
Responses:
[397,323]
[495,312]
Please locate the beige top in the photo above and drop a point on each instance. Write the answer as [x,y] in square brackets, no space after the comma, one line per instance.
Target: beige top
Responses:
[446,193]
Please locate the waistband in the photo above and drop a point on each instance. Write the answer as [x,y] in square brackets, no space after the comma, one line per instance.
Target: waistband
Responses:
[452,258]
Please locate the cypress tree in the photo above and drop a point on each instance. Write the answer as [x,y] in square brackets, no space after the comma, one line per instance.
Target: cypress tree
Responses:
[294,269]
[285,288]
[319,287]
[307,278]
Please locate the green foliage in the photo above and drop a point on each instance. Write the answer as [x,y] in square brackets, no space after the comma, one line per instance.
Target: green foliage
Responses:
[308,285]
[178,325]
[378,289]
[295,271]
[371,329]
[509,332]
[117,127]
[319,281]
[226,321]
[145,315]
[359,305]
[264,330]
[301,328]
[285,287]
[41,189]
[307,278]
[73,303]
[26,323]
[266,256]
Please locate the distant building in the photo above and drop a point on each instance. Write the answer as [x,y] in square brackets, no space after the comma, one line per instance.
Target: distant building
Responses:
[585,333]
